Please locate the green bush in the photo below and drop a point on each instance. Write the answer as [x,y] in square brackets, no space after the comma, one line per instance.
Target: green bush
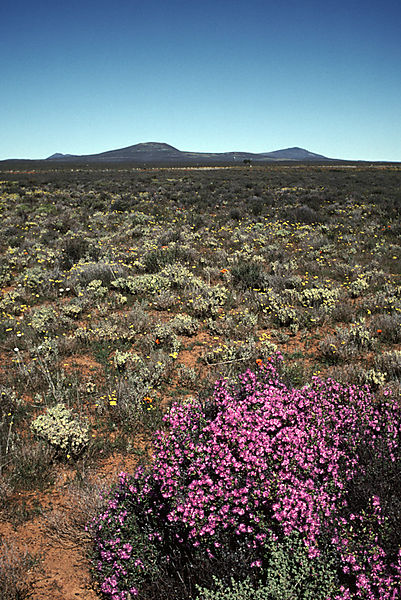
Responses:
[319,296]
[237,590]
[290,575]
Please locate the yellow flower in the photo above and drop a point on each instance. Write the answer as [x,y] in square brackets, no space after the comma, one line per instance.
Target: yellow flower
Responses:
[113,403]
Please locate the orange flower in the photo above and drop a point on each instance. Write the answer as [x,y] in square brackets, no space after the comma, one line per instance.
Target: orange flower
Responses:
[157,341]
[223,271]
[379,330]
[259,361]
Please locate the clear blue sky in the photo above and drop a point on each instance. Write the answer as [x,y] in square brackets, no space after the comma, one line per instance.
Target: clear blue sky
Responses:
[85,76]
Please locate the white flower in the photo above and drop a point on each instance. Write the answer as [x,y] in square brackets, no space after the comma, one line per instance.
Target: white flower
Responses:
[16,349]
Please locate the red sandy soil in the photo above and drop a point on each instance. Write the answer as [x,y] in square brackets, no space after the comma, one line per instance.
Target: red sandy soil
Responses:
[64,571]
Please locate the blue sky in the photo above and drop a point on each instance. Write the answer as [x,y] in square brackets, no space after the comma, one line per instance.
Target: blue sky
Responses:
[83,76]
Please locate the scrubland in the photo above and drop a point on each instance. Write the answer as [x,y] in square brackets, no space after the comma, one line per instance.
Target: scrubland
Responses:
[228,339]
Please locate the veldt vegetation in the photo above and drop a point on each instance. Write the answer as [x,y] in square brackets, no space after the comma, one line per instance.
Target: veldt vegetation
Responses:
[124,290]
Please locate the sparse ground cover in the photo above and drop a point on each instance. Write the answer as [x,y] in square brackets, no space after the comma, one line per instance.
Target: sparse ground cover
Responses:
[124,291]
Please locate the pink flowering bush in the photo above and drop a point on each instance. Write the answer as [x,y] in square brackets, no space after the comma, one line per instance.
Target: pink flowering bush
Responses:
[238,482]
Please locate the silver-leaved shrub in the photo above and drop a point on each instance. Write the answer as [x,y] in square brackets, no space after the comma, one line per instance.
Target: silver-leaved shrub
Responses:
[65,433]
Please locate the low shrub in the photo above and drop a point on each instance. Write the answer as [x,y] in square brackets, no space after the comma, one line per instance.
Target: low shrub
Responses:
[64,433]
[357,287]
[138,317]
[289,576]
[248,275]
[387,328]
[43,319]
[340,347]
[36,279]
[32,465]
[184,324]
[296,491]
[390,364]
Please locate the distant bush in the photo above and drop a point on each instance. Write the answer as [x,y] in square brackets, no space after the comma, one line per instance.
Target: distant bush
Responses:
[35,279]
[155,260]
[387,328]
[184,324]
[248,275]
[305,214]
[390,364]
[84,272]
[43,319]
[73,249]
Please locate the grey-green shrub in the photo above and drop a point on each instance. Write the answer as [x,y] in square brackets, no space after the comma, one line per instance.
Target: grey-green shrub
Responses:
[43,318]
[390,364]
[65,434]
[236,590]
[121,359]
[84,272]
[138,318]
[291,574]
[236,351]
[359,335]
[71,310]
[34,278]
[319,296]
[184,324]
[286,316]
[96,289]
[357,287]
[187,376]
[205,301]
[164,336]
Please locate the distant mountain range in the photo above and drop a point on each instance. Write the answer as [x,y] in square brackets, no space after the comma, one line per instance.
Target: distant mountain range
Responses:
[160,153]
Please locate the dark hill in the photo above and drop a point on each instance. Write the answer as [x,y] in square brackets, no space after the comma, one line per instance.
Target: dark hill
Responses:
[161,153]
